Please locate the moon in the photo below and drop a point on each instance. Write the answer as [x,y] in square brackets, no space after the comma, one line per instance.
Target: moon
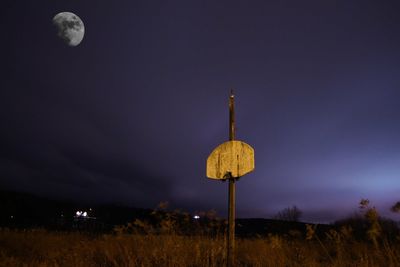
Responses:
[70,28]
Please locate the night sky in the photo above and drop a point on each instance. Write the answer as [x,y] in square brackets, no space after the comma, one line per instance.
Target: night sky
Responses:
[130,115]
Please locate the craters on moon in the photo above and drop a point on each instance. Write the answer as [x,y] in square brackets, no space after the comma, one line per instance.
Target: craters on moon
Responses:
[70,28]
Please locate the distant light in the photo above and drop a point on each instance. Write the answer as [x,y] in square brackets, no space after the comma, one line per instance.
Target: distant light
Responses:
[78,213]
[196,217]
[12,217]
[84,214]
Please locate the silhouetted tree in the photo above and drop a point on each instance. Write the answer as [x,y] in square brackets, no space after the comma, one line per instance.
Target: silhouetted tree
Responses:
[396,207]
[292,214]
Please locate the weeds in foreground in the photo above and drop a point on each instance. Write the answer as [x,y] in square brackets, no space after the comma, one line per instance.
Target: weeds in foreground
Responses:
[42,248]
[162,242]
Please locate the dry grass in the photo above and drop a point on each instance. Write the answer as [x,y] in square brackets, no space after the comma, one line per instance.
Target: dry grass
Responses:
[42,248]
[173,239]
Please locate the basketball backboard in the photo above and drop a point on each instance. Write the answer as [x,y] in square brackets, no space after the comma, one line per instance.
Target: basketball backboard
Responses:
[231,159]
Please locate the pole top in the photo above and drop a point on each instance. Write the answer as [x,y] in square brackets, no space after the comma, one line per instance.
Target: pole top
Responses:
[232,95]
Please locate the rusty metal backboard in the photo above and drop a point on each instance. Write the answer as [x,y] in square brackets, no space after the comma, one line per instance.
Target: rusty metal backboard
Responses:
[232,159]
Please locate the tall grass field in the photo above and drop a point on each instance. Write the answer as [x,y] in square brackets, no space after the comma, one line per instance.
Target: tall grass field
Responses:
[172,239]
[42,248]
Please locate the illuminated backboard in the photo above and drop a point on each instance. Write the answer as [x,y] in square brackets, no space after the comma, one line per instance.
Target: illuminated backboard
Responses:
[232,159]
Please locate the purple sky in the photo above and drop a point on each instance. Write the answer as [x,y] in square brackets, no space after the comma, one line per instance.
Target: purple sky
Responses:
[131,114]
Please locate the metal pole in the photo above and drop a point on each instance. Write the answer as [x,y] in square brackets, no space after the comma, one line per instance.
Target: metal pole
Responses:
[231,117]
[231,202]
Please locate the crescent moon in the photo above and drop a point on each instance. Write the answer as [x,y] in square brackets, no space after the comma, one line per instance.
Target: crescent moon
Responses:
[70,28]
